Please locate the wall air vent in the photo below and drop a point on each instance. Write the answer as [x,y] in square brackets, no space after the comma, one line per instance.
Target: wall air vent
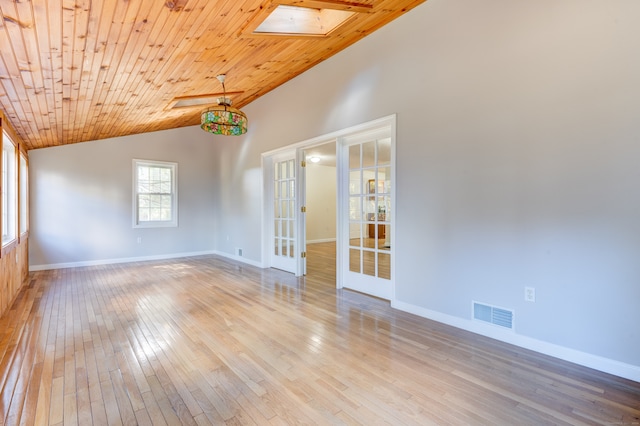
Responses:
[493,315]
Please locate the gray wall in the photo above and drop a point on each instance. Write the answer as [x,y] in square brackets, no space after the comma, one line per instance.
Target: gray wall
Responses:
[81,199]
[517,163]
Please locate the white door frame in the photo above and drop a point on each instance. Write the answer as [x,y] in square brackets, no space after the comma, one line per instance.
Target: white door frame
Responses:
[267,191]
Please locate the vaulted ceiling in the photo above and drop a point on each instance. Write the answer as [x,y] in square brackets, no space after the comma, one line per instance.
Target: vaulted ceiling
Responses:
[80,70]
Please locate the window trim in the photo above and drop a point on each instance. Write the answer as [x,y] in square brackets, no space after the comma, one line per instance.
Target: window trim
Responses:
[23,194]
[173,223]
[10,193]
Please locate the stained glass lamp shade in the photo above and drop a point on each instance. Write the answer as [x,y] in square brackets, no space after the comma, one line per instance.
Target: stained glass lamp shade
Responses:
[223,119]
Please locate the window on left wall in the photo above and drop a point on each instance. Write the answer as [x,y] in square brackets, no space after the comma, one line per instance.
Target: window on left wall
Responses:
[9,190]
[155,194]
[23,204]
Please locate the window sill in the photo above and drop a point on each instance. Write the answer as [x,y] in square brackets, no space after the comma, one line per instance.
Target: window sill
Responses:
[8,246]
[156,225]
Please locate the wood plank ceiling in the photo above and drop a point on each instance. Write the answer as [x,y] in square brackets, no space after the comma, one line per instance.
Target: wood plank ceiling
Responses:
[80,70]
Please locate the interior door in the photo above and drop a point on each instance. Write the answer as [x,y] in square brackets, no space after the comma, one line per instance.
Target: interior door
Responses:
[367,207]
[286,251]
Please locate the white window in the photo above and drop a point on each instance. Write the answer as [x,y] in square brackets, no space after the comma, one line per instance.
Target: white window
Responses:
[155,194]
[24,183]
[9,186]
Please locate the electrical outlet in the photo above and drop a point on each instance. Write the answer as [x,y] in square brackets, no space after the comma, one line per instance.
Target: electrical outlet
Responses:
[529,294]
[139,240]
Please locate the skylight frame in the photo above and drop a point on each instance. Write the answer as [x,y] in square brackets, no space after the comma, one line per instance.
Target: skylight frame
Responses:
[302,21]
[330,8]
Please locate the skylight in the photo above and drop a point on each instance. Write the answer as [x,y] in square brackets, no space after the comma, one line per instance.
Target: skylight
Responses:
[294,20]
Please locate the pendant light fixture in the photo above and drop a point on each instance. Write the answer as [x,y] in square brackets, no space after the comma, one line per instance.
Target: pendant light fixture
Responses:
[223,119]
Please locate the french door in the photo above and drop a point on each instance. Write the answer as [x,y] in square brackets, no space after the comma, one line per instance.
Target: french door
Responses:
[367,213]
[288,222]
[365,158]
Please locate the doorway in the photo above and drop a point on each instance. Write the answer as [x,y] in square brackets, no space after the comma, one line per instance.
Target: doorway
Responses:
[321,211]
[365,199]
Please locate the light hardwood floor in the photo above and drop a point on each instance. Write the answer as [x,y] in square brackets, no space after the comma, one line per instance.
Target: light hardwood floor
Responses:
[206,340]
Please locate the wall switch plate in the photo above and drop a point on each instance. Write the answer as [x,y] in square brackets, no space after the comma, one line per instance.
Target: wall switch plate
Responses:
[529,294]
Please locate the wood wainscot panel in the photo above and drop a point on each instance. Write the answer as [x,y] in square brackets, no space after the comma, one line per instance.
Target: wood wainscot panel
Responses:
[14,270]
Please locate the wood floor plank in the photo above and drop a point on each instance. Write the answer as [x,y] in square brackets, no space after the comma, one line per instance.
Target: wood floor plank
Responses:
[43,405]
[57,401]
[206,340]
[159,396]
[110,403]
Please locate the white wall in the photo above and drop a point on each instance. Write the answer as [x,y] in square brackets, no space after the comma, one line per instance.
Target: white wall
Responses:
[321,203]
[81,199]
[517,163]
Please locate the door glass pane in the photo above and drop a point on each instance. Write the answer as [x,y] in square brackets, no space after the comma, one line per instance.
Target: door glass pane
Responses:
[277,247]
[384,180]
[384,152]
[384,209]
[369,154]
[354,260]
[354,157]
[292,227]
[370,241]
[355,208]
[385,242]
[355,182]
[368,181]
[355,234]
[374,186]
[384,265]
[369,263]
[370,208]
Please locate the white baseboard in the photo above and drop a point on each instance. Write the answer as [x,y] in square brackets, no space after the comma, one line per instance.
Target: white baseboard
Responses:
[321,240]
[606,365]
[240,259]
[118,260]
[33,268]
